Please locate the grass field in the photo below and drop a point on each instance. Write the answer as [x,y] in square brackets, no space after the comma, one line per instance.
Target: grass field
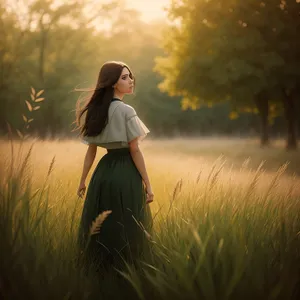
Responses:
[226,223]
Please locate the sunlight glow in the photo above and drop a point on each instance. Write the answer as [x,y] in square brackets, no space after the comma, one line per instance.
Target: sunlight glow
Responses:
[150,10]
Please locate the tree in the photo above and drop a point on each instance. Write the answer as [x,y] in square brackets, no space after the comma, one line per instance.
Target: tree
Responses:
[47,45]
[225,52]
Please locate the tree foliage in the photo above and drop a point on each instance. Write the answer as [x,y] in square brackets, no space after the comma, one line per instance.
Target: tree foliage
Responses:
[58,46]
[244,52]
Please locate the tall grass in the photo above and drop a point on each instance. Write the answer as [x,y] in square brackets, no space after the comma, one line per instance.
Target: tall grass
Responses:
[39,255]
[210,241]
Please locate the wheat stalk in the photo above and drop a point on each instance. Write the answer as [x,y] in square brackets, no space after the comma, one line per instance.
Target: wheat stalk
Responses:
[96,225]
[255,180]
[51,166]
[215,176]
[177,190]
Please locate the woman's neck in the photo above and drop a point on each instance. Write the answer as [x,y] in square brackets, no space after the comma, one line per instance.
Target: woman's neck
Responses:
[118,95]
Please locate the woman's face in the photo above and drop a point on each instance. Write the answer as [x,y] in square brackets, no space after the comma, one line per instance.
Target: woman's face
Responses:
[125,84]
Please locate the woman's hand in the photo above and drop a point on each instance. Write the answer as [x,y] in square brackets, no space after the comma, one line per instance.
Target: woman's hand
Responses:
[81,190]
[150,195]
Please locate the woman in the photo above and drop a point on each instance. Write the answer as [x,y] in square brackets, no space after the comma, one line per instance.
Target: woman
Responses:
[120,183]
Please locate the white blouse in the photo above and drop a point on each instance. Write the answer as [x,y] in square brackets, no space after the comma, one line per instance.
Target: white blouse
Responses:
[123,126]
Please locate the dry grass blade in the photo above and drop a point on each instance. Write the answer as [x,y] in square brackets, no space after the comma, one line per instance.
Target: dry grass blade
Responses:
[40,93]
[274,183]
[197,237]
[51,166]
[25,162]
[158,211]
[215,176]
[32,91]
[177,189]
[96,225]
[20,134]
[28,105]
[198,177]
[246,163]
[212,171]
[255,180]
[147,234]
[39,99]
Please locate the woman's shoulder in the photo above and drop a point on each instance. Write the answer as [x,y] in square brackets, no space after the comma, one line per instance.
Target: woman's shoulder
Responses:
[127,109]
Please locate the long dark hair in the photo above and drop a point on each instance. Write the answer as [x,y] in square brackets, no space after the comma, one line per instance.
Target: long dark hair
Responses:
[96,107]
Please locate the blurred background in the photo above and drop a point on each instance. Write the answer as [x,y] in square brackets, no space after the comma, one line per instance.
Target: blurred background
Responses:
[203,68]
[218,85]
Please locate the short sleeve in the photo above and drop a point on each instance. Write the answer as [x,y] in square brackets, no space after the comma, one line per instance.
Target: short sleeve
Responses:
[135,128]
[88,140]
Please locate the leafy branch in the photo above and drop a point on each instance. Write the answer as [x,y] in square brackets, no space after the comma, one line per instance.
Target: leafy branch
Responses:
[31,106]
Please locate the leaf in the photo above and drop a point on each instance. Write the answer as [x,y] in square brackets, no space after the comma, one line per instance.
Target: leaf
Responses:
[30,120]
[36,108]
[40,93]
[33,91]
[19,133]
[24,118]
[32,97]
[28,105]
[27,126]
[39,99]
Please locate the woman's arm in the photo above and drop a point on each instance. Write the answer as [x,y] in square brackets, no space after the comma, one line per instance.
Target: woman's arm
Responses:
[139,162]
[88,162]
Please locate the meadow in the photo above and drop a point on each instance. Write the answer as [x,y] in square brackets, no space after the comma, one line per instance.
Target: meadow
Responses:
[226,222]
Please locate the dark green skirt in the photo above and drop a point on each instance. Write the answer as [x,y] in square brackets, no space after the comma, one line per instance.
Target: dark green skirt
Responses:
[115,185]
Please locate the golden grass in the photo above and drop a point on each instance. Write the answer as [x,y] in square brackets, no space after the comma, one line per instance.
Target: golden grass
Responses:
[218,221]
[192,163]
[96,224]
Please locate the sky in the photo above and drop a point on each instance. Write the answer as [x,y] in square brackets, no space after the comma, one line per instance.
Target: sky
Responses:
[149,9]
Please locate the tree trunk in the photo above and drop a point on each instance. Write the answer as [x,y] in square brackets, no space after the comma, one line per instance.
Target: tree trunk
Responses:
[289,105]
[262,105]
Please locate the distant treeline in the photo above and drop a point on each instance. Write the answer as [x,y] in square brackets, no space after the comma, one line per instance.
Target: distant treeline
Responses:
[58,48]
